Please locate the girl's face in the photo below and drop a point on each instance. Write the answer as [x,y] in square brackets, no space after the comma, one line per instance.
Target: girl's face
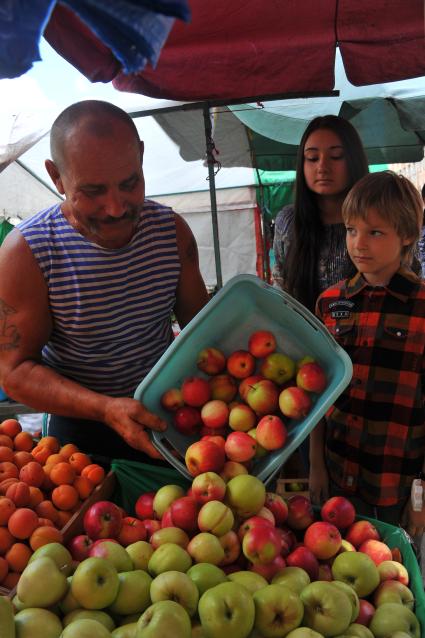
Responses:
[325,165]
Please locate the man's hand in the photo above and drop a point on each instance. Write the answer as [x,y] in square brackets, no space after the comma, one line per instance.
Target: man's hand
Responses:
[413,522]
[129,418]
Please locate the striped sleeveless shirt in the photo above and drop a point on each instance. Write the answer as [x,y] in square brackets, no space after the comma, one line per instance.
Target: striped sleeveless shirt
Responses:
[111,308]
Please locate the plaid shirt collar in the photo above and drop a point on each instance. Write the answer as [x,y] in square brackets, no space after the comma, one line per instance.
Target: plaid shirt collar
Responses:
[402,285]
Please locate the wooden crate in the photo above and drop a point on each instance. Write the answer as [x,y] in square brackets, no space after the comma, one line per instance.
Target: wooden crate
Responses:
[74,526]
[284,486]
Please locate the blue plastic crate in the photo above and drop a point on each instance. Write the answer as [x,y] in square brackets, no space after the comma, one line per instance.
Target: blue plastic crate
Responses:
[246,304]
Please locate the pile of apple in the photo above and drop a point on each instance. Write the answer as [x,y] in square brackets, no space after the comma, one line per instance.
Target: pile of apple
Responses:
[41,486]
[237,412]
[223,559]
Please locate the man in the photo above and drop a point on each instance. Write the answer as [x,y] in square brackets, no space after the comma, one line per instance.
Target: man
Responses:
[87,287]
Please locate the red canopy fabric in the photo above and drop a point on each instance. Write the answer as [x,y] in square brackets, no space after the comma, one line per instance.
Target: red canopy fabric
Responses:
[239,48]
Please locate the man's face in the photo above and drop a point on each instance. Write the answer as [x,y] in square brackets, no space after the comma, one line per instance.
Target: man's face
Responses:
[102,179]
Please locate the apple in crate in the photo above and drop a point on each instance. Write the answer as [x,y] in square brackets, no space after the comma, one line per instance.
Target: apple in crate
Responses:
[232,469]
[103,520]
[392,591]
[144,505]
[211,361]
[393,570]
[242,418]
[271,432]
[79,546]
[240,447]
[323,539]
[366,612]
[339,511]
[215,414]
[268,570]
[187,420]
[204,456]
[182,513]
[227,609]
[163,498]
[240,364]
[172,399]
[215,438]
[277,506]
[294,402]
[261,544]
[327,610]
[245,494]
[360,531]
[232,547]
[196,391]
[215,517]
[261,343]
[208,486]
[262,397]
[278,367]
[223,387]
[251,523]
[311,377]
[113,552]
[303,557]
[377,550]
[358,570]
[245,384]
[277,610]
[300,512]
[132,530]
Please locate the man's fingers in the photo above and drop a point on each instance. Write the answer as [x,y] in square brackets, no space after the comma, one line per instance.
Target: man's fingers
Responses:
[147,446]
[152,421]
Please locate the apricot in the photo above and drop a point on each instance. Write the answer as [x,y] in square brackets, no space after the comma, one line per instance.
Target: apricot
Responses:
[57,457]
[18,556]
[46,509]
[62,474]
[45,521]
[4,569]
[84,486]
[41,453]
[11,427]
[64,517]
[7,507]
[6,454]
[51,442]
[8,470]
[36,496]
[94,472]
[65,497]
[6,540]
[6,441]
[22,523]
[23,441]
[68,449]
[11,580]
[4,485]
[21,458]
[32,474]
[44,535]
[79,461]
[19,493]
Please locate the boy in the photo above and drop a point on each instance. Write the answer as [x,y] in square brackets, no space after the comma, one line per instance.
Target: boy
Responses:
[372,444]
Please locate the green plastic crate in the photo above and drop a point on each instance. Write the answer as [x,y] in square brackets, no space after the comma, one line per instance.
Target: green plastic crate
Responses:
[246,304]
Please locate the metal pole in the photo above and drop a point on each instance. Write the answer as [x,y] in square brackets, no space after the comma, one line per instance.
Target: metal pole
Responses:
[211,177]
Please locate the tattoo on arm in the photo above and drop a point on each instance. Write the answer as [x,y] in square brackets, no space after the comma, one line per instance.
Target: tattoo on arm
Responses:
[9,335]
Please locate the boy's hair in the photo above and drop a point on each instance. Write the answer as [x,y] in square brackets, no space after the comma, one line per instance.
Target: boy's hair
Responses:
[394,198]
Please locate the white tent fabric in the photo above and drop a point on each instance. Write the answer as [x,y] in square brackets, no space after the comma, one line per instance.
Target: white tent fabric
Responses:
[21,194]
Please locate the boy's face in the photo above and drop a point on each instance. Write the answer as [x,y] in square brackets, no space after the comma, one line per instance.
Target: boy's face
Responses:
[374,247]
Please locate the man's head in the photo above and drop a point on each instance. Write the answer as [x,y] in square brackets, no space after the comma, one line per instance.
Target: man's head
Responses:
[97,164]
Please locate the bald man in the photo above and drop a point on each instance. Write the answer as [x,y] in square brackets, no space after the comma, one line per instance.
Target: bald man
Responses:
[88,287]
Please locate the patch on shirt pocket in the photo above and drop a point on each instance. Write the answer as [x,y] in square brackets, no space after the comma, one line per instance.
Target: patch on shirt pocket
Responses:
[343,331]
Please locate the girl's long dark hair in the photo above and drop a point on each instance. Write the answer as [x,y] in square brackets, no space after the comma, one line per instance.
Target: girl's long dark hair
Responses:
[300,263]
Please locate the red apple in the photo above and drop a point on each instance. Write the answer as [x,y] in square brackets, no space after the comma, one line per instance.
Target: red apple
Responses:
[204,456]
[232,547]
[187,420]
[215,438]
[262,544]
[294,402]
[232,469]
[240,447]
[245,384]
[151,526]
[366,612]
[250,523]
[215,414]
[323,539]
[303,557]
[144,505]
[196,391]
[360,531]
[377,550]
[277,506]
[288,537]
[311,377]
[300,512]
[240,364]
[182,513]
[223,387]
[268,570]
[172,399]
[211,361]
[262,397]
[325,572]
[264,512]
[339,511]
[242,418]
[208,486]
[102,520]
[271,432]
[79,546]
[393,570]
[132,530]
[261,343]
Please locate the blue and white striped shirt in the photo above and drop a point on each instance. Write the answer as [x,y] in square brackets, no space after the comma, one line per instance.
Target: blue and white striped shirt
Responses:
[111,308]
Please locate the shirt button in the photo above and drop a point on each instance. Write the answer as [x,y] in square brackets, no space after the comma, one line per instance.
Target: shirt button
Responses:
[398,333]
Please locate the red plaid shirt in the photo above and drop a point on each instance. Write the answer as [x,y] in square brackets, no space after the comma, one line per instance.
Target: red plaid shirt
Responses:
[375,434]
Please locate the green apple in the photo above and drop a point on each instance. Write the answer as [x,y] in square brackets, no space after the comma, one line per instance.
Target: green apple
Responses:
[95,614]
[169,535]
[352,595]
[245,495]
[169,557]
[359,631]
[85,628]
[133,595]
[140,553]
[95,583]
[197,631]
[251,580]
[296,578]
[18,605]
[205,576]
[278,367]
[278,610]
[164,497]
[401,634]
[125,620]
[164,618]
[227,610]
[125,631]
[215,517]
[304,632]
[206,548]
[358,570]
[326,609]
[176,586]
[68,603]
[391,617]
[41,584]
[59,553]
[114,553]
[37,623]
[392,591]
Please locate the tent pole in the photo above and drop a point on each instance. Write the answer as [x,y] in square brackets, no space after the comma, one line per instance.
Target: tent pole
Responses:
[211,177]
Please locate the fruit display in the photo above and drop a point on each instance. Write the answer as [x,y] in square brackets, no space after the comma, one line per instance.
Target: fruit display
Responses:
[42,485]
[240,405]
[224,557]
